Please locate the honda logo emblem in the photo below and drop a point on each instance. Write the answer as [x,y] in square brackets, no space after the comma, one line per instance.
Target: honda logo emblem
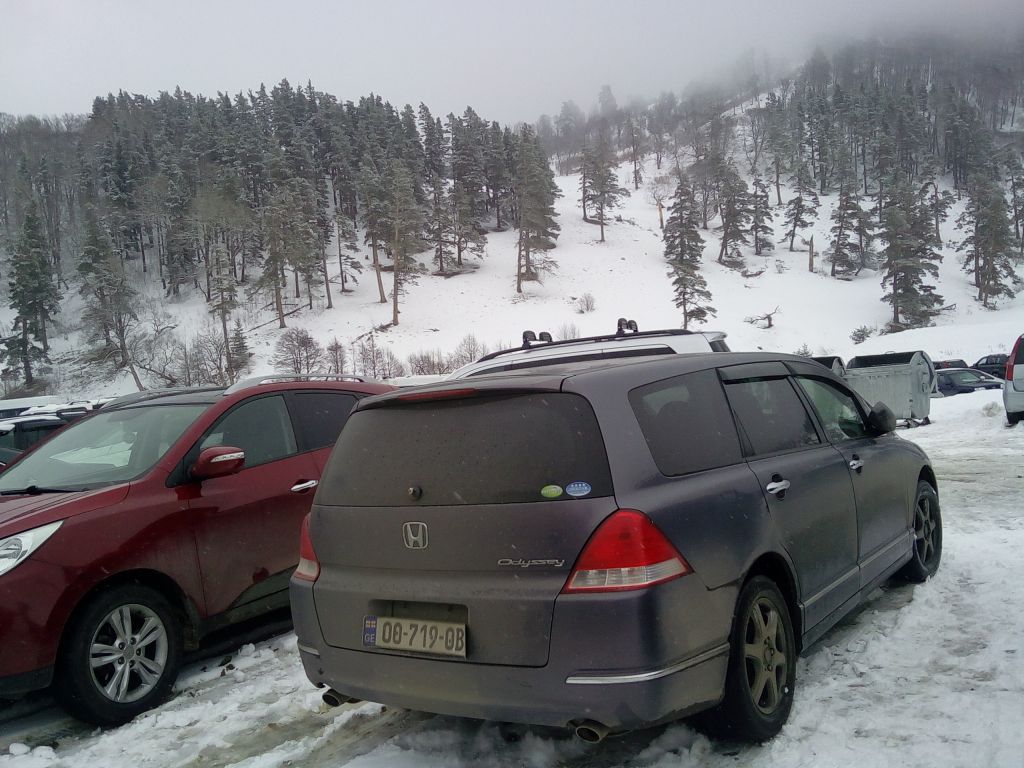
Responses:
[415,535]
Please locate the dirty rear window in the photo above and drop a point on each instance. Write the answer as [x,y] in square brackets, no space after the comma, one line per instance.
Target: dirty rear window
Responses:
[504,449]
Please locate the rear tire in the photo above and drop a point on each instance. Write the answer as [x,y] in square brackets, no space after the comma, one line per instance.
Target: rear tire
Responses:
[1013,418]
[120,656]
[927,551]
[762,668]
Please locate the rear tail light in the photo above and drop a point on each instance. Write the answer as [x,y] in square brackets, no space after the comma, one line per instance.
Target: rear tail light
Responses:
[309,567]
[627,551]
[1011,358]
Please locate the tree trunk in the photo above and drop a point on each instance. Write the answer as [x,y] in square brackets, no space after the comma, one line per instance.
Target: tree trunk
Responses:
[376,268]
[327,279]
[142,249]
[810,265]
[778,188]
[25,358]
[279,304]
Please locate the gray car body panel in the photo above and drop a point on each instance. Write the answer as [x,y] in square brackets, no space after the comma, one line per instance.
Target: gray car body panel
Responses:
[624,659]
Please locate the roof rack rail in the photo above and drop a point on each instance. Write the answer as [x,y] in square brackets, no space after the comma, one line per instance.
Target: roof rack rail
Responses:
[619,334]
[274,378]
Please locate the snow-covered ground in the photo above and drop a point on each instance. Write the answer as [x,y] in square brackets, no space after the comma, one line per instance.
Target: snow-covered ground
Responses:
[929,675]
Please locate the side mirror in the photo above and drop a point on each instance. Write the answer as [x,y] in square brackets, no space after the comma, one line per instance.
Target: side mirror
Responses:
[881,420]
[219,461]
[72,414]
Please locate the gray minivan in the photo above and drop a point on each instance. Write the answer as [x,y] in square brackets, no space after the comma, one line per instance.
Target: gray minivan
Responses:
[602,546]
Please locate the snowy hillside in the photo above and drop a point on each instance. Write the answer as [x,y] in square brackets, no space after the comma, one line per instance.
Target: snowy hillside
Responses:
[627,277]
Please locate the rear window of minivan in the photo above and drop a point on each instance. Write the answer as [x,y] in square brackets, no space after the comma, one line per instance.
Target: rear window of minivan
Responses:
[511,448]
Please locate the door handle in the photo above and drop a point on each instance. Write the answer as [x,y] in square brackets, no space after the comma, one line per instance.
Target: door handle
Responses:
[304,485]
[777,487]
[856,464]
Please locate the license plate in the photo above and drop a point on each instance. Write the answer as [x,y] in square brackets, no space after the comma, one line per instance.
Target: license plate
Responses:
[443,638]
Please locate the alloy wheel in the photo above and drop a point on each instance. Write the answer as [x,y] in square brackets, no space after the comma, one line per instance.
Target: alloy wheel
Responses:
[765,655]
[128,653]
[925,530]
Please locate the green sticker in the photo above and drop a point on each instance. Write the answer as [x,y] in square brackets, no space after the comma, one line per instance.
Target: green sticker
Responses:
[551,491]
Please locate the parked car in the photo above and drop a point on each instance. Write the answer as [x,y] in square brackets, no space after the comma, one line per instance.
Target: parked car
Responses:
[134,532]
[627,342]
[994,365]
[956,381]
[19,433]
[950,364]
[1013,387]
[606,545]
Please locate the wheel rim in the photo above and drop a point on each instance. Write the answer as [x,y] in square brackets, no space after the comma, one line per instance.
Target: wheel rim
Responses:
[926,530]
[765,655]
[128,653]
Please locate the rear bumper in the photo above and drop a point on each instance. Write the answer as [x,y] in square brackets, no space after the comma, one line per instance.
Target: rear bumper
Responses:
[619,674]
[534,696]
[1013,401]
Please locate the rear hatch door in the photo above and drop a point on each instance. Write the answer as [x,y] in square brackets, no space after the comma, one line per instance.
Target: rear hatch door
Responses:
[469,509]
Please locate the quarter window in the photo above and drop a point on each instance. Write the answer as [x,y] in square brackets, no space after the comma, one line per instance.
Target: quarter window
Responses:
[837,410]
[686,423]
[771,415]
[320,416]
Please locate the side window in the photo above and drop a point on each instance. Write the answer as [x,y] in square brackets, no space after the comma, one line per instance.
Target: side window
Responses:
[771,415]
[687,423]
[320,416]
[7,439]
[838,412]
[260,427]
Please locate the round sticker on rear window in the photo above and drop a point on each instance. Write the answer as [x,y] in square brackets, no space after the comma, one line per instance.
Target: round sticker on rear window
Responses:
[578,489]
[551,491]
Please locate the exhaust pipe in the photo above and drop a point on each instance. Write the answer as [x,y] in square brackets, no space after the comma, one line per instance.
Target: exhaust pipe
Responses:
[591,732]
[334,699]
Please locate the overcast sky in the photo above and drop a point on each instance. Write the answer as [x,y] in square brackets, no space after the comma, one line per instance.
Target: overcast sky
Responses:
[509,60]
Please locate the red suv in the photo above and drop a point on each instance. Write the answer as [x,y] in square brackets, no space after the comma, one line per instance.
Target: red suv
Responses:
[133,533]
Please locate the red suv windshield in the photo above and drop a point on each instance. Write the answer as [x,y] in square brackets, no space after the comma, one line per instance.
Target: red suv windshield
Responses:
[107,449]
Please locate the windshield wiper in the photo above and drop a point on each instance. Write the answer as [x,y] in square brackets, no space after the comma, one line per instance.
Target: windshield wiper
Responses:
[35,490]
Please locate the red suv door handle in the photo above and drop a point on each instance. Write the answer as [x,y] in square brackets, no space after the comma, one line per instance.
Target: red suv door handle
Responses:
[304,485]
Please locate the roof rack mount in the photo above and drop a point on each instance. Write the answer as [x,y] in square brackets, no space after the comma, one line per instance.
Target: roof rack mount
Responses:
[619,334]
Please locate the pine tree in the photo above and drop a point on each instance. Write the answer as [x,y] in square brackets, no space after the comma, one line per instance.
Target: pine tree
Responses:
[802,208]
[910,259]
[761,217]
[33,295]
[374,209]
[736,212]
[989,242]
[467,135]
[684,249]
[844,219]
[238,348]
[535,192]
[223,301]
[406,223]
[599,183]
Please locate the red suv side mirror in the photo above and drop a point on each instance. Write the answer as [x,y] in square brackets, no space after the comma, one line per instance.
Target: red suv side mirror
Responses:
[218,461]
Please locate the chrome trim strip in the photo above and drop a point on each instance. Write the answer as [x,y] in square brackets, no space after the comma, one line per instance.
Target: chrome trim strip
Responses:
[642,677]
[308,649]
[228,457]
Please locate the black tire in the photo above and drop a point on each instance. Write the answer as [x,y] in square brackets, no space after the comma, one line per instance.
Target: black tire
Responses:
[750,711]
[927,551]
[150,651]
[1013,418]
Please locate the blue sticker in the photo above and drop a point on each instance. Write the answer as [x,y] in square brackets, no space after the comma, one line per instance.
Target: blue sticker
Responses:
[578,489]
[370,631]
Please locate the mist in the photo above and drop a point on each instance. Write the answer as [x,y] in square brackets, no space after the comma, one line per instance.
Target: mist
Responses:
[511,62]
